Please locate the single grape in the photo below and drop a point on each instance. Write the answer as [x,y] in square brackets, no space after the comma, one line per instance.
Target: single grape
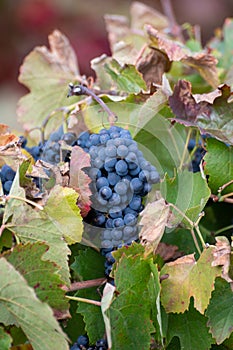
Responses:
[121,167]
[105,192]
[101,182]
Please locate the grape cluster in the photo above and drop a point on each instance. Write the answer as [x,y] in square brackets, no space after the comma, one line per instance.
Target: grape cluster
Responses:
[121,177]
[82,343]
[197,157]
[7,175]
[52,152]
[34,151]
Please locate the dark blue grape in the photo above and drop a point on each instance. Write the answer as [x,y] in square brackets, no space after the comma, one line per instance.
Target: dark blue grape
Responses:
[101,182]
[7,173]
[130,219]
[105,192]
[136,185]
[135,203]
[83,340]
[121,167]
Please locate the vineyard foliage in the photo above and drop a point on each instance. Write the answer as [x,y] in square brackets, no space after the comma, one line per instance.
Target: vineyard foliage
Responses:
[172,287]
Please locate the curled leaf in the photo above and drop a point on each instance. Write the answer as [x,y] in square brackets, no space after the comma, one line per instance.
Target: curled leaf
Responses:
[154,220]
[222,255]
[79,180]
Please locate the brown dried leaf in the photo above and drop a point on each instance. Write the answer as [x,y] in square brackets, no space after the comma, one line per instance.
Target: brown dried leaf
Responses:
[221,256]
[183,103]
[154,220]
[80,181]
[152,66]
[168,252]
[203,62]
[6,137]
[206,65]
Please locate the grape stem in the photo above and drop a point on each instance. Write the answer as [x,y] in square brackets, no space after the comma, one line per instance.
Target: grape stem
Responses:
[84,284]
[38,206]
[84,300]
[77,90]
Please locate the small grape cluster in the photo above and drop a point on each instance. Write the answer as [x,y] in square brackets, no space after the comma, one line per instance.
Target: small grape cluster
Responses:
[121,178]
[197,157]
[7,175]
[52,151]
[82,343]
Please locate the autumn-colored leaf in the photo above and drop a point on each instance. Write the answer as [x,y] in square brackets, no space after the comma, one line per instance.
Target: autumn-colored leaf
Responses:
[154,219]
[6,137]
[79,180]
[213,118]
[221,255]
[152,66]
[187,278]
[203,62]
[46,72]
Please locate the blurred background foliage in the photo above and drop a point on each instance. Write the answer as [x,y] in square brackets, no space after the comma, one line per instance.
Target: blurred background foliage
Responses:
[25,24]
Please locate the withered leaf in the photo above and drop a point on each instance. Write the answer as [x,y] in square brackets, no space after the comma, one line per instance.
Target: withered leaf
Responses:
[79,180]
[152,66]
[154,220]
[221,256]
[203,62]
[183,103]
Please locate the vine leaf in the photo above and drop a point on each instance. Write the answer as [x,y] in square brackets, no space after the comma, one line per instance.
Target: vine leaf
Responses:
[40,275]
[126,77]
[212,118]
[222,255]
[61,208]
[203,62]
[187,278]
[188,192]
[154,219]
[84,267]
[28,311]
[131,301]
[191,329]
[47,73]
[79,180]
[5,136]
[218,165]
[32,226]
[5,340]
[220,311]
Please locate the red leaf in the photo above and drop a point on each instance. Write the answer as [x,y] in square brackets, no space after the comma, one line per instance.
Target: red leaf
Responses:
[80,181]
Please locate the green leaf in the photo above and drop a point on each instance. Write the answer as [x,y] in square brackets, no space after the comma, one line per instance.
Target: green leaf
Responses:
[151,107]
[126,77]
[220,311]
[19,305]
[191,329]
[154,289]
[132,276]
[219,165]
[61,208]
[189,192]
[5,340]
[189,278]
[47,73]
[162,143]
[40,275]
[90,265]
[31,226]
